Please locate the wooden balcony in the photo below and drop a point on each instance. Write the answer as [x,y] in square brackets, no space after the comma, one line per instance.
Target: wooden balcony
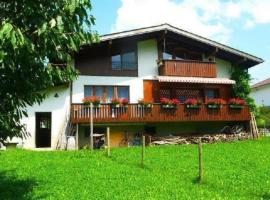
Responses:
[188,68]
[133,113]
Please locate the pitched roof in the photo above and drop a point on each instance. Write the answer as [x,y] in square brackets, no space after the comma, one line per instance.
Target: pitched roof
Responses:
[168,27]
[262,83]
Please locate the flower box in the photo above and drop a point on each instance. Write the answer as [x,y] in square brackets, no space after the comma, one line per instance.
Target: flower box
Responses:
[234,106]
[214,106]
[144,104]
[193,103]
[237,103]
[215,103]
[169,103]
[93,99]
[167,106]
[193,106]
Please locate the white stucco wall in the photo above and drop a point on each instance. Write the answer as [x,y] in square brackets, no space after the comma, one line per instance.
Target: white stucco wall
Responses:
[58,106]
[223,68]
[261,95]
[147,69]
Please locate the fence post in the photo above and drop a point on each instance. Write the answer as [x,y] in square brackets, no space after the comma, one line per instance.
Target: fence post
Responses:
[200,160]
[108,142]
[143,150]
[91,127]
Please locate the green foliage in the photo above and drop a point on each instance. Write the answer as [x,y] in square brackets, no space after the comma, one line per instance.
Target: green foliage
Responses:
[242,87]
[263,117]
[35,36]
[170,172]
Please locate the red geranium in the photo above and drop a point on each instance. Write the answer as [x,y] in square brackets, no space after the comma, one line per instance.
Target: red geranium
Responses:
[93,99]
[216,101]
[166,101]
[124,101]
[193,101]
[237,101]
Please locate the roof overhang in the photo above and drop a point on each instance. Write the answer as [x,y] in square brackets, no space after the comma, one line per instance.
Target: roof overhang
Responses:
[242,56]
[174,79]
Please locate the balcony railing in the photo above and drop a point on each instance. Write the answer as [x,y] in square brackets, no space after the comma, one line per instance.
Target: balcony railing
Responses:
[188,68]
[80,113]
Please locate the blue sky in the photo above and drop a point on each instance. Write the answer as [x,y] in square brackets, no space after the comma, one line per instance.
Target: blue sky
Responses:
[242,24]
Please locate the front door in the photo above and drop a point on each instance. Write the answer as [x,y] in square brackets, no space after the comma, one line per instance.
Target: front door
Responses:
[43,129]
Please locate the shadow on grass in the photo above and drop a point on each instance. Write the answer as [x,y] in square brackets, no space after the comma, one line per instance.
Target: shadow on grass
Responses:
[13,188]
[265,196]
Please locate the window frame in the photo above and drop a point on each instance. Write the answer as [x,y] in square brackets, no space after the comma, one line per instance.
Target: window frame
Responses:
[104,98]
[121,52]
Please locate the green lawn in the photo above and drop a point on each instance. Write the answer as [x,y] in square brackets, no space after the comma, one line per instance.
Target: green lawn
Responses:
[239,170]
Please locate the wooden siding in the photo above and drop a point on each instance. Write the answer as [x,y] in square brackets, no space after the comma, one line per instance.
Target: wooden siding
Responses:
[152,89]
[133,113]
[96,61]
[188,68]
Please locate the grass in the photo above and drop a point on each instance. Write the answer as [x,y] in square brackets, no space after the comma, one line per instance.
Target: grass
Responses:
[238,170]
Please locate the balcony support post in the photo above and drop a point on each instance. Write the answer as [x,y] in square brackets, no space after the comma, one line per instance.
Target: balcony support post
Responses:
[91,127]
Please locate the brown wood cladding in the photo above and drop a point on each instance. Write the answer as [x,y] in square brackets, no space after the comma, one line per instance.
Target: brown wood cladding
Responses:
[152,88]
[133,113]
[188,68]
[96,61]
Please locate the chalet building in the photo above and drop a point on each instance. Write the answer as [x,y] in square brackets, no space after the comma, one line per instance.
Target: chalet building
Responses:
[143,64]
[261,92]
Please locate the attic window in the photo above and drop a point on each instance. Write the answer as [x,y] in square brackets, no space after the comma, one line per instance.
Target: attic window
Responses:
[125,60]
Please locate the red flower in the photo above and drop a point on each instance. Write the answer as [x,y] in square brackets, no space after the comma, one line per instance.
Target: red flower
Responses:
[175,101]
[166,101]
[237,101]
[93,99]
[192,101]
[216,101]
[124,101]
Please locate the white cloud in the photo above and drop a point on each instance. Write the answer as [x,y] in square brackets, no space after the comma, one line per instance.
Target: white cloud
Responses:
[209,18]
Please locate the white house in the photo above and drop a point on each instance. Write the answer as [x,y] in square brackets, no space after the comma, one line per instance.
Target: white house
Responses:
[261,92]
[148,63]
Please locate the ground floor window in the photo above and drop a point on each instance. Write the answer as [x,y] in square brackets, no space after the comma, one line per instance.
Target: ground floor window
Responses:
[106,93]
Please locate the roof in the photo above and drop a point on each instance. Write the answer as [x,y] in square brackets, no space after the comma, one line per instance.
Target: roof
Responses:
[260,84]
[168,27]
[195,80]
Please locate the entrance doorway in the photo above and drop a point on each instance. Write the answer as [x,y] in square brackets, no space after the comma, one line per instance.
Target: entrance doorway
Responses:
[43,129]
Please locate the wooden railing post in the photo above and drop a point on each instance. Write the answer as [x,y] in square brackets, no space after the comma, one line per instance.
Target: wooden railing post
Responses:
[91,127]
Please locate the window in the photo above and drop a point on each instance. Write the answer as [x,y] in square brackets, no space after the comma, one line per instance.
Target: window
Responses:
[123,92]
[106,93]
[88,91]
[126,60]
[167,56]
[116,62]
[129,61]
[211,93]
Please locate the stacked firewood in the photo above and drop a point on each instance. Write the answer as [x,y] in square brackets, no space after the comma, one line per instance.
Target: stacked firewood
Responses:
[176,140]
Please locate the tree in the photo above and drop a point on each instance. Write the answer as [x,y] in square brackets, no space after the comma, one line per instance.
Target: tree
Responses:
[242,87]
[35,36]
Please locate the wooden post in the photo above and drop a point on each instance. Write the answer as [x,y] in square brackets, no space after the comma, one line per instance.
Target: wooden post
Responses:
[91,127]
[143,150]
[77,136]
[200,160]
[108,142]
